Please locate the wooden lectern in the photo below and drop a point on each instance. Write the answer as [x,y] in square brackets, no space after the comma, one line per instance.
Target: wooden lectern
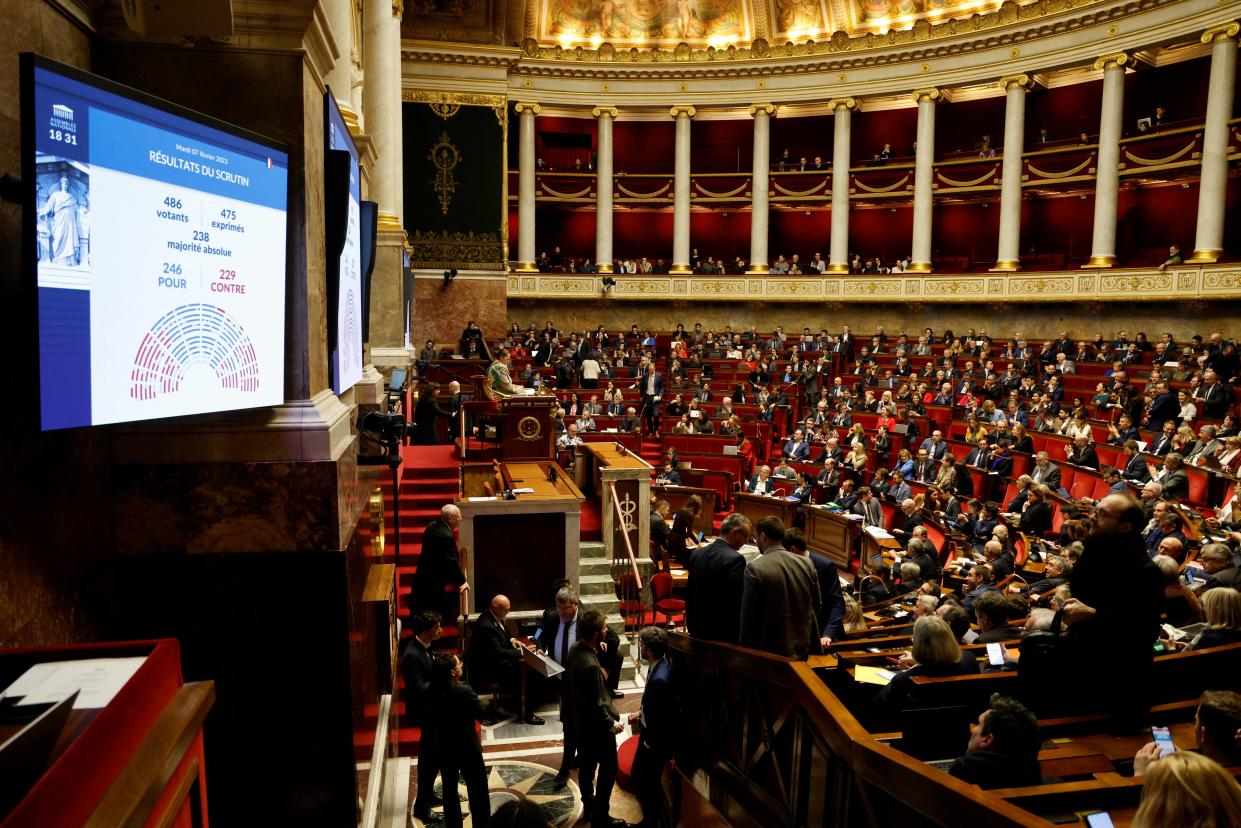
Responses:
[525,428]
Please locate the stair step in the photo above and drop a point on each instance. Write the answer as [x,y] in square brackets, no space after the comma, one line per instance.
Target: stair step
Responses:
[594,566]
[596,585]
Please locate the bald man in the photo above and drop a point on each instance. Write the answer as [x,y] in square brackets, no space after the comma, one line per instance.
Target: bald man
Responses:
[439,566]
[494,658]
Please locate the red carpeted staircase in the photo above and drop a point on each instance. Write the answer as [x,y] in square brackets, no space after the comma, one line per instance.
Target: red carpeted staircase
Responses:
[428,480]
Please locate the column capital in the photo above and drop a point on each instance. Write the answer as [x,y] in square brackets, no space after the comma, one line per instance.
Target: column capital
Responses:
[600,111]
[837,104]
[1021,80]
[1116,60]
[928,94]
[1225,31]
[398,9]
[764,108]
[523,106]
[682,109]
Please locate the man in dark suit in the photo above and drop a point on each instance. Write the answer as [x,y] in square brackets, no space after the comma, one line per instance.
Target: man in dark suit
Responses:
[1114,613]
[1164,407]
[935,445]
[589,704]
[1216,560]
[1135,467]
[715,583]
[830,593]
[907,521]
[925,469]
[1216,397]
[1173,478]
[494,658]
[867,505]
[556,638]
[416,670]
[1045,472]
[1082,453]
[660,533]
[1162,444]
[650,386]
[796,448]
[439,567]
[655,722]
[780,599]
[980,457]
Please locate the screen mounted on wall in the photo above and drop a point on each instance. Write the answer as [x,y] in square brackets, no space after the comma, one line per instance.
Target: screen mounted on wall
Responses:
[156,236]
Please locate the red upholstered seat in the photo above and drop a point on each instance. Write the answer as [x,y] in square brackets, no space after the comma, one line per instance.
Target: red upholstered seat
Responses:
[670,610]
[624,763]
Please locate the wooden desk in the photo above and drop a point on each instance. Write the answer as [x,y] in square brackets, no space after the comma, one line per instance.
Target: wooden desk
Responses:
[608,468]
[831,534]
[756,507]
[520,547]
[676,497]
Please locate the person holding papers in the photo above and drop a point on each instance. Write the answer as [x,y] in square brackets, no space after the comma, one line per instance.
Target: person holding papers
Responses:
[936,653]
[494,657]
[557,637]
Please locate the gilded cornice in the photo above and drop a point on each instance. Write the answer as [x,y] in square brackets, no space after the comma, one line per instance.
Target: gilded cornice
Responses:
[1006,28]
[453,98]
[474,55]
[1210,282]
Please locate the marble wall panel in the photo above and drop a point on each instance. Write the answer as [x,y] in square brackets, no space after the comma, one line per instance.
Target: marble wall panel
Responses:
[441,311]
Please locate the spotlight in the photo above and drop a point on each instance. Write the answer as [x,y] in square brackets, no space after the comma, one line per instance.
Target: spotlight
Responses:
[608,282]
[449,275]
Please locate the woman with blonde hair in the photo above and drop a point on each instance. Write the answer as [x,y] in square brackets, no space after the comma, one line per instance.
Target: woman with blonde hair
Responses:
[857,434]
[935,653]
[974,430]
[1221,607]
[856,458]
[1186,788]
[855,620]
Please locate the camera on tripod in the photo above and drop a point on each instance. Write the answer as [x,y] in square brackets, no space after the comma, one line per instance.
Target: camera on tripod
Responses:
[388,429]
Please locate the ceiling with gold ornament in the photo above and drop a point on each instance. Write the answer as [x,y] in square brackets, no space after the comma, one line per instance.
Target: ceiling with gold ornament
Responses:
[724,23]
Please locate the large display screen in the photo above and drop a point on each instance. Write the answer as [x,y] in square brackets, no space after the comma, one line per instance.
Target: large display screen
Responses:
[159,245]
[347,351]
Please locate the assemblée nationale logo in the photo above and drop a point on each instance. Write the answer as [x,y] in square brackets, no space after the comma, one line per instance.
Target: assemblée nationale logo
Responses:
[62,118]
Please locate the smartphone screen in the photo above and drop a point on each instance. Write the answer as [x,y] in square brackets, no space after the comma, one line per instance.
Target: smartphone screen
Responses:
[1163,738]
[995,654]
[1099,820]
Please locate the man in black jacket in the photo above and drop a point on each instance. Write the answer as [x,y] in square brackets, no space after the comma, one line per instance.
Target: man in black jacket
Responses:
[656,725]
[1114,613]
[716,573]
[439,566]
[494,657]
[416,670]
[1003,748]
[589,704]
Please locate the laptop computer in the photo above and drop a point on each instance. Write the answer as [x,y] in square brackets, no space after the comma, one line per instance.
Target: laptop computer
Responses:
[935,733]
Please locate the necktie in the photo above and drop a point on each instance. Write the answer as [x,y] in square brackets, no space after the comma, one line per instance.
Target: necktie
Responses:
[563,640]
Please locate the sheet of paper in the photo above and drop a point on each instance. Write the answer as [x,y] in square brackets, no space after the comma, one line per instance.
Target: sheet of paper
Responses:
[97,679]
[479,499]
[523,490]
[872,675]
[877,533]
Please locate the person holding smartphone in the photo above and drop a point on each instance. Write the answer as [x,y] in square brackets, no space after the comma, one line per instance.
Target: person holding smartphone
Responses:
[1217,732]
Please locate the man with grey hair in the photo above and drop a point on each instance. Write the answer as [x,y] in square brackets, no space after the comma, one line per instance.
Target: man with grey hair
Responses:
[1173,477]
[1055,573]
[439,566]
[655,722]
[716,573]
[1216,560]
[1045,471]
[911,577]
[908,521]
[1208,443]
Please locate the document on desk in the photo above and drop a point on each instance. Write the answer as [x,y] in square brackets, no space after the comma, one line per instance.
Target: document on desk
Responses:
[877,533]
[523,490]
[540,663]
[480,499]
[872,675]
[97,681]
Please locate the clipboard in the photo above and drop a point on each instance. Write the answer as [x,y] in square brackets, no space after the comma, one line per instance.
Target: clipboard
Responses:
[541,664]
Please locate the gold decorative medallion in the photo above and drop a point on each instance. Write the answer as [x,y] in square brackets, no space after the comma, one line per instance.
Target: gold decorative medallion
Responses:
[445,157]
[528,428]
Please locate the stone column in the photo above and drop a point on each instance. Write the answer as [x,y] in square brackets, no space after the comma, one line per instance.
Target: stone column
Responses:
[603,189]
[1213,184]
[1008,257]
[680,196]
[838,255]
[923,176]
[340,78]
[758,186]
[525,189]
[382,101]
[1107,178]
